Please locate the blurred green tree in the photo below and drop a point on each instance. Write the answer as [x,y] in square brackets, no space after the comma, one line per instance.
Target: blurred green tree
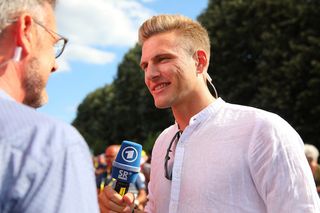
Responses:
[265,53]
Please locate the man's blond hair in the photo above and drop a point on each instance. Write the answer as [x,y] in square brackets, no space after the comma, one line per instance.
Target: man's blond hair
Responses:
[196,36]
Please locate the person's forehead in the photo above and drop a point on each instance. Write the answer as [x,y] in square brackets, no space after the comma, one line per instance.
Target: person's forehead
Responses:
[112,150]
[160,43]
[166,38]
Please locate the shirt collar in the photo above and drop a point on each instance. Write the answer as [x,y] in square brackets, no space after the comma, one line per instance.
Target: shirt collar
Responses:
[4,95]
[209,110]
[200,116]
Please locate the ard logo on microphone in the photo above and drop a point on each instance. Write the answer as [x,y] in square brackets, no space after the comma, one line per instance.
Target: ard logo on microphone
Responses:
[129,154]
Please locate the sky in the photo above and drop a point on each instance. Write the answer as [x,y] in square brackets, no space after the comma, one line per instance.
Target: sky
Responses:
[100,33]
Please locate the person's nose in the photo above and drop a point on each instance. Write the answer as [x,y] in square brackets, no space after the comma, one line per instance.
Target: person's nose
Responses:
[152,72]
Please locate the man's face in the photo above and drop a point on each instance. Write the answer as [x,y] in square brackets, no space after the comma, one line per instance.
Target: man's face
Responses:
[110,154]
[170,71]
[41,63]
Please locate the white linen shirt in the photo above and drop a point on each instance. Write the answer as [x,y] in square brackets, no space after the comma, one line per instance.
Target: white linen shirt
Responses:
[233,158]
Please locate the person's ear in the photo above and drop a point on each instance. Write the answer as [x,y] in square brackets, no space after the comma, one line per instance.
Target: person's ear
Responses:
[24,33]
[201,60]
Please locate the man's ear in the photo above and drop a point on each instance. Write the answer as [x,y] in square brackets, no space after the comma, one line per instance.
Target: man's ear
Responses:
[24,32]
[201,60]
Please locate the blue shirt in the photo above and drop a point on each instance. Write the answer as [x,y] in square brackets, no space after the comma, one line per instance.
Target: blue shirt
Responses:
[45,165]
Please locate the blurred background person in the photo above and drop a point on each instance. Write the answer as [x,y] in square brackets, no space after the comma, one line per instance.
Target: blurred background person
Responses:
[312,154]
[100,169]
[145,167]
[103,177]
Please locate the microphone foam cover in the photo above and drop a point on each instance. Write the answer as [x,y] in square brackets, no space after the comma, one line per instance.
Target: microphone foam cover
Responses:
[126,166]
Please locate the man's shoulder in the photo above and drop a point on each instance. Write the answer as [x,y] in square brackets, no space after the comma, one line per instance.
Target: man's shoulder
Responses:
[168,132]
[257,122]
[252,114]
[19,115]
[163,139]
[23,126]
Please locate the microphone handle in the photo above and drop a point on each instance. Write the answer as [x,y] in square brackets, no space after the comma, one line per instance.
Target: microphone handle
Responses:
[121,187]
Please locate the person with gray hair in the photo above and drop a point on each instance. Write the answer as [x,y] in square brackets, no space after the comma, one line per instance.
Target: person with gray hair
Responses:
[45,164]
[217,156]
[312,154]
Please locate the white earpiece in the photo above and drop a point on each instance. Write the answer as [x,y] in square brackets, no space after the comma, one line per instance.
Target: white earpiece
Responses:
[17,54]
[210,82]
[209,78]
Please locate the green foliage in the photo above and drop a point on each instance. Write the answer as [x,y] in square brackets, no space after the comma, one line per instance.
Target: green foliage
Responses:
[94,116]
[123,110]
[265,53]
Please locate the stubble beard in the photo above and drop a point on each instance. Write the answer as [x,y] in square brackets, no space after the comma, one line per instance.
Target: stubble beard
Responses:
[34,85]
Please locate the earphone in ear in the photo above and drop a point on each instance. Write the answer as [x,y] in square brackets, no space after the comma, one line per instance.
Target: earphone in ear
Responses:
[210,82]
[17,54]
[209,78]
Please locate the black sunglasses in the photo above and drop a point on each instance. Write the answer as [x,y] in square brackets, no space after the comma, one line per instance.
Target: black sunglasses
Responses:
[167,169]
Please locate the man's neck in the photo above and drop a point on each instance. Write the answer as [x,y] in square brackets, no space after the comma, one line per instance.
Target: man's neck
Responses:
[184,112]
[10,82]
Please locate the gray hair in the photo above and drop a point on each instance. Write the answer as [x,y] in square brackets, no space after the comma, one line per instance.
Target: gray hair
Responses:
[311,152]
[10,9]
